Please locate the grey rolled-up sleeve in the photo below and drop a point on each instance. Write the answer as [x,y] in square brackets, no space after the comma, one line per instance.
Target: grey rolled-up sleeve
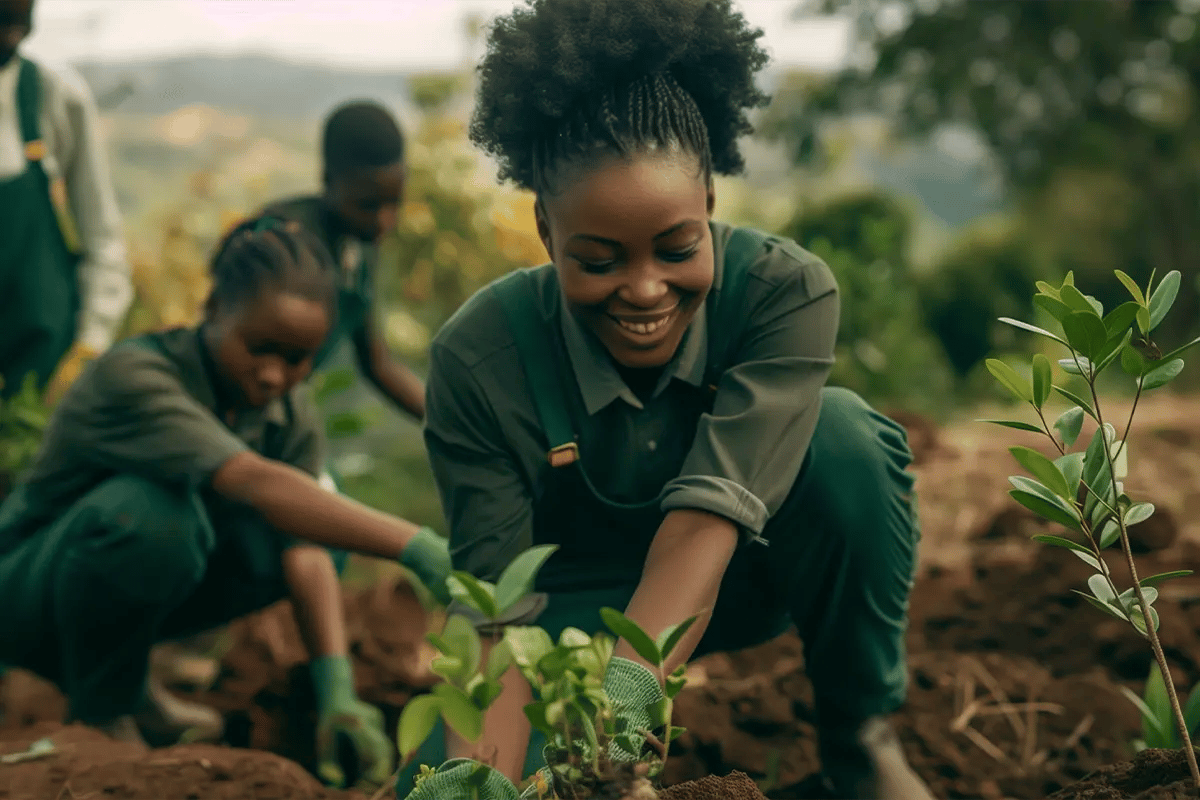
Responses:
[748,452]
[304,446]
[486,500]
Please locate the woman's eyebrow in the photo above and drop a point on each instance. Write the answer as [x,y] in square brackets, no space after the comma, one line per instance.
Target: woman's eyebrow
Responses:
[613,243]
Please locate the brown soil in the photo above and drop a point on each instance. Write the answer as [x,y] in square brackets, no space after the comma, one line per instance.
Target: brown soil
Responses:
[1153,775]
[735,786]
[1014,680]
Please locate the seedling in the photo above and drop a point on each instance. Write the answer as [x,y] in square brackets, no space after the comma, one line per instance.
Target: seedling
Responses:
[589,738]
[23,420]
[1155,705]
[1083,491]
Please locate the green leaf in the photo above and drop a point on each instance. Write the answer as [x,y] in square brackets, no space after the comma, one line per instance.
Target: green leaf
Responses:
[1071,466]
[475,593]
[1011,380]
[1191,710]
[1134,289]
[347,423]
[1045,508]
[1139,622]
[1068,425]
[1148,715]
[1076,300]
[1162,374]
[1033,487]
[1112,350]
[574,638]
[1096,472]
[1180,350]
[677,731]
[518,577]
[1100,589]
[498,660]
[1105,607]
[1058,541]
[1163,298]
[676,681]
[1008,423]
[1042,379]
[1047,289]
[1077,400]
[1016,323]
[670,636]
[1076,365]
[485,692]
[628,744]
[331,383]
[1138,512]
[1085,334]
[1044,470]
[1143,320]
[1132,361]
[462,642]
[1088,559]
[1052,305]
[536,714]
[417,719]
[627,629]
[1120,320]
[459,712]
[1109,533]
[1154,580]
[528,645]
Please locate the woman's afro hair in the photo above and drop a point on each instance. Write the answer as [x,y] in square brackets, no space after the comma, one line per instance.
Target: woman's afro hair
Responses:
[555,67]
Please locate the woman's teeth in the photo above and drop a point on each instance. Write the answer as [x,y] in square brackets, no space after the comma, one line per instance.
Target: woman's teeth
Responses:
[644,327]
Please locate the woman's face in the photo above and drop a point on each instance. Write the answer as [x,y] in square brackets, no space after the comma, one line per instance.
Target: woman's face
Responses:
[631,242]
[264,346]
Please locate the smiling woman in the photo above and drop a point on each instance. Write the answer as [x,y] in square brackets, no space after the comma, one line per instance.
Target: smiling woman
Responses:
[653,400]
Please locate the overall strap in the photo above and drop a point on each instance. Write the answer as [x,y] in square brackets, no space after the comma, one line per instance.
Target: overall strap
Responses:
[517,297]
[726,309]
[29,110]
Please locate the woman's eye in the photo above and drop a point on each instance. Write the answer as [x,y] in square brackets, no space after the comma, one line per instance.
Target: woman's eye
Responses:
[595,266]
[679,255]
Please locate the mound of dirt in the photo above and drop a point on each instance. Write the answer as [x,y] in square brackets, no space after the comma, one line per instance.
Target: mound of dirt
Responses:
[1153,775]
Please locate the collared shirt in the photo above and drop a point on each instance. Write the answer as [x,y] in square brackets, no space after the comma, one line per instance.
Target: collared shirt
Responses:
[70,129]
[154,414]
[488,450]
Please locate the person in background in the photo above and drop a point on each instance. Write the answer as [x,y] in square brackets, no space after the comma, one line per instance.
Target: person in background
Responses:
[65,283]
[175,491]
[363,176]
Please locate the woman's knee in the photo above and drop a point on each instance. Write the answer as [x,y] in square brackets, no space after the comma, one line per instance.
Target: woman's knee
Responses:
[150,528]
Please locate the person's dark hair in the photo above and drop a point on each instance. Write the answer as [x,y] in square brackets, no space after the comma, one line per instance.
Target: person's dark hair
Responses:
[268,252]
[564,80]
[360,134]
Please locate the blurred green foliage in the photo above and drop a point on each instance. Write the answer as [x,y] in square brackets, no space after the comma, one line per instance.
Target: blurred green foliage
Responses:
[1088,112]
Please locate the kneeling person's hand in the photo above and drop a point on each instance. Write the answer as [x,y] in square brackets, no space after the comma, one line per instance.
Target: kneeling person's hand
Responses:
[342,714]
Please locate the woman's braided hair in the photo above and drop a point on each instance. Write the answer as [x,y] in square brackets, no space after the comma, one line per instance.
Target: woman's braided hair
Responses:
[565,80]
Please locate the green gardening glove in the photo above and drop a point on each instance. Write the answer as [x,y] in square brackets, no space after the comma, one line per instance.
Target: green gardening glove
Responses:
[341,714]
[428,556]
[456,780]
[632,689]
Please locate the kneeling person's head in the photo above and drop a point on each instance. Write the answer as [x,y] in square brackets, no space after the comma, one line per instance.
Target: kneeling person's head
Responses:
[272,304]
[362,148]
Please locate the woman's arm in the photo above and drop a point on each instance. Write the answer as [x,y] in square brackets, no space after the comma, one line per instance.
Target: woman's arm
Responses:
[681,578]
[316,600]
[389,376]
[293,502]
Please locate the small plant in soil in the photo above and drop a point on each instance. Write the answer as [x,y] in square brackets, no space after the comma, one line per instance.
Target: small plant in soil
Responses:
[23,420]
[1083,490]
[1158,724]
[592,753]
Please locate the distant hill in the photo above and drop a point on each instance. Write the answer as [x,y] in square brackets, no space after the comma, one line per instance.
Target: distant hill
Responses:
[262,86]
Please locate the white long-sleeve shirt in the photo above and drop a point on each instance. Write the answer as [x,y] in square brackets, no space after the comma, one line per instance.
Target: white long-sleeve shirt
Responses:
[70,129]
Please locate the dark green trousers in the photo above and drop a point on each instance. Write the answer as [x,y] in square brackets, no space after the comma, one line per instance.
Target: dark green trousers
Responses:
[839,566]
[130,564]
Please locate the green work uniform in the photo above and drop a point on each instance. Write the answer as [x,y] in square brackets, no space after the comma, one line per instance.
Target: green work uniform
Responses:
[740,424]
[355,262]
[115,539]
[39,292]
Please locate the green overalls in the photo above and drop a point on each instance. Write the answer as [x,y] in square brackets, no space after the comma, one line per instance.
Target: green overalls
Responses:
[838,557]
[39,291]
[89,589]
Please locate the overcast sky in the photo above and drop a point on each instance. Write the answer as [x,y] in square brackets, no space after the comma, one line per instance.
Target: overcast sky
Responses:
[369,34]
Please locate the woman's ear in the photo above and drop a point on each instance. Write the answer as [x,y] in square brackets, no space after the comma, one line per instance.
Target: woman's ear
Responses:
[543,227]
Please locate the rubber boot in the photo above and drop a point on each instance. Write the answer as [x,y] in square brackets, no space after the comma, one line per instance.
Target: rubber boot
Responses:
[867,762]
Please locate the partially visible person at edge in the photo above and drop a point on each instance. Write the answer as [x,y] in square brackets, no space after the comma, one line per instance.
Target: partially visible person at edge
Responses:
[653,400]
[64,276]
[175,490]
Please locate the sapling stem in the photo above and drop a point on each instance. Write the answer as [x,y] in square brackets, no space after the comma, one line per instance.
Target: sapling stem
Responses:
[1151,631]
